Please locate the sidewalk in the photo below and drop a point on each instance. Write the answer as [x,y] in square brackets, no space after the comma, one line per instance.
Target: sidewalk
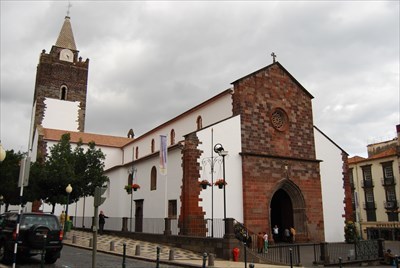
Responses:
[148,251]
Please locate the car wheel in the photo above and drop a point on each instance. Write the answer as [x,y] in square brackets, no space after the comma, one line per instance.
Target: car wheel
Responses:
[51,258]
[5,255]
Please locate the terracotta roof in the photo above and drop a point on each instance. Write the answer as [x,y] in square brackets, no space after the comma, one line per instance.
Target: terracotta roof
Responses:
[386,153]
[100,140]
[66,37]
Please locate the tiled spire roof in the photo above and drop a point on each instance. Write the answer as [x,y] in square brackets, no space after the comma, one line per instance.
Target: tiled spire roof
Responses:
[66,37]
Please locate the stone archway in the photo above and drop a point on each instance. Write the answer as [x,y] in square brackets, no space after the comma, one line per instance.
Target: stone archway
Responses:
[287,209]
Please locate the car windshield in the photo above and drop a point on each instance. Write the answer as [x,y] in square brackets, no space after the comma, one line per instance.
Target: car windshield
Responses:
[49,221]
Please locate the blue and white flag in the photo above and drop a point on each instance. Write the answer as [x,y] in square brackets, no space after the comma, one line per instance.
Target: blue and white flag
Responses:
[163,154]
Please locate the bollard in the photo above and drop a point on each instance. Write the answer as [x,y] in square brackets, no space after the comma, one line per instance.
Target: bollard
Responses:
[251,265]
[291,257]
[340,262]
[123,255]
[171,255]
[112,247]
[211,259]
[74,239]
[158,257]
[90,242]
[204,260]
[137,251]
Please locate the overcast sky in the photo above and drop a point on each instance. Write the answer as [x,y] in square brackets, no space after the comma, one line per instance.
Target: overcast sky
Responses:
[150,61]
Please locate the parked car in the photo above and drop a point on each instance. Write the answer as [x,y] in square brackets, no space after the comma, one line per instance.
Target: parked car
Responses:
[38,232]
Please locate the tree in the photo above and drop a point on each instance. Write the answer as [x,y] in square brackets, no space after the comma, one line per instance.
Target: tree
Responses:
[9,175]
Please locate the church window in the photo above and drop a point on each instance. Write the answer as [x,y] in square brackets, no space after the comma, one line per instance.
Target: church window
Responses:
[133,153]
[153,182]
[172,209]
[199,122]
[63,92]
[153,145]
[130,178]
[137,152]
[279,119]
[172,137]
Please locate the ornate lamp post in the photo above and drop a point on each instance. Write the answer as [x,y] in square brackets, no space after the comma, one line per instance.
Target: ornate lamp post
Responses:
[2,153]
[68,189]
[219,149]
[132,172]
[1,201]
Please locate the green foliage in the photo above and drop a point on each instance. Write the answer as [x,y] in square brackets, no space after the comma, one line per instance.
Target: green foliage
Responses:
[9,175]
[350,232]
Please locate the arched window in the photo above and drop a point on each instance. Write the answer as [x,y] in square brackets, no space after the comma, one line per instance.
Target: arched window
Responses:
[199,122]
[152,145]
[130,178]
[63,92]
[172,137]
[153,182]
[133,153]
[137,152]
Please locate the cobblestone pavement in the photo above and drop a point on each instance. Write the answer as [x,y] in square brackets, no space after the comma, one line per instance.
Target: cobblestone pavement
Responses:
[148,251]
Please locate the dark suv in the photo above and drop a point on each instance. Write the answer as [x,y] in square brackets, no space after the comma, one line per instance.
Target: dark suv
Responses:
[37,232]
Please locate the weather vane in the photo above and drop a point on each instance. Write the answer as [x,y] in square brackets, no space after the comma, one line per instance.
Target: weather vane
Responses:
[273,56]
[68,8]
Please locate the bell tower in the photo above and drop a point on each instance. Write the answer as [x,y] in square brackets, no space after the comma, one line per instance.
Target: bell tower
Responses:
[59,100]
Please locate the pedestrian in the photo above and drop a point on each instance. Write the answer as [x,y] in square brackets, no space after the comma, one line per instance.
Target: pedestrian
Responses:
[265,237]
[293,234]
[287,235]
[260,242]
[102,221]
[62,218]
[249,240]
[275,233]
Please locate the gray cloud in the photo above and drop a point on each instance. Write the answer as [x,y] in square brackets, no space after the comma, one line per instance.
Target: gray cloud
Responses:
[150,61]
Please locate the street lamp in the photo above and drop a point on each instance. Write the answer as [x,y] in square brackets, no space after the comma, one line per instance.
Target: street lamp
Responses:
[2,153]
[1,201]
[219,149]
[68,189]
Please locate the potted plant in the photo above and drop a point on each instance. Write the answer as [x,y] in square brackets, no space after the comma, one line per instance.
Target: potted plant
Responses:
[133,186]
[204,184]
[220,183]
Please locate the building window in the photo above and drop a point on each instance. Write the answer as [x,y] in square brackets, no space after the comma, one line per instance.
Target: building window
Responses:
[390,194]
[153,183]
[172,135]
[367,173]
[172,209]
[369,196]
[388,170]
[199,122]
[63,92]
[133,153]
[137,152]
[130,178]
[153,145]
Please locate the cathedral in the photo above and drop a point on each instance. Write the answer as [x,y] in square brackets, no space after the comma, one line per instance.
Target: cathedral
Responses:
[257,137]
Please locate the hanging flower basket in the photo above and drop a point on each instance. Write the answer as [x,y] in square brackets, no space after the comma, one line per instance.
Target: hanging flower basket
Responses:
[131,187]
[204,184]
[220,183]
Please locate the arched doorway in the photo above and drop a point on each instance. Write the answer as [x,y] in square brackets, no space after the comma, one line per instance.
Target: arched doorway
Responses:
[287,209]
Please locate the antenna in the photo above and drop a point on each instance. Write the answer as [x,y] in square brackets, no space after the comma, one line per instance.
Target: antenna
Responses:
[68,8]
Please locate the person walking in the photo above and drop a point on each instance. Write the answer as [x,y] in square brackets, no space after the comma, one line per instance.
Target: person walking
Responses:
[62,218]
[265,237]
[275,233]
[102,221]
[260,242]
[293,234]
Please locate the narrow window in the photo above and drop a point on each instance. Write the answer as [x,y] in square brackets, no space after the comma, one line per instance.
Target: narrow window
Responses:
[172,209]
[137,152]
[199,122]
[172,137]
[153,182]
[63,92]
[152,145]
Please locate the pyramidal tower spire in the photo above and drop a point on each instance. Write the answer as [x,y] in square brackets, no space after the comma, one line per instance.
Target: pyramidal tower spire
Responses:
[66,37]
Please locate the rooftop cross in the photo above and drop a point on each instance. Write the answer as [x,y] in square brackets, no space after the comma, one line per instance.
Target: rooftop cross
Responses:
[68,8]
[273,56]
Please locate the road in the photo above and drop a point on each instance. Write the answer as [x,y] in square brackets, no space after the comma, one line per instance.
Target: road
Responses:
[72,257]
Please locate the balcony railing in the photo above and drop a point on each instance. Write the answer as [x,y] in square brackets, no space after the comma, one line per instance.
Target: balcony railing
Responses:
[391,205]
[388,181]
[367,184]
[369,205]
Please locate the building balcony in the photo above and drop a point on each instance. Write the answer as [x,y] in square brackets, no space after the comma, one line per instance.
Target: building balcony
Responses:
[388,181]
[367,184]
[369,205]
[391,205]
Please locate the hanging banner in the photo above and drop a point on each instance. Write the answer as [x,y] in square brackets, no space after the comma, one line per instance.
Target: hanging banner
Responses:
[163,154]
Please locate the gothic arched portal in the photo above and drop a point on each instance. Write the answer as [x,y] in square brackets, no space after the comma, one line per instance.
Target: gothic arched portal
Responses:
[288,208]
